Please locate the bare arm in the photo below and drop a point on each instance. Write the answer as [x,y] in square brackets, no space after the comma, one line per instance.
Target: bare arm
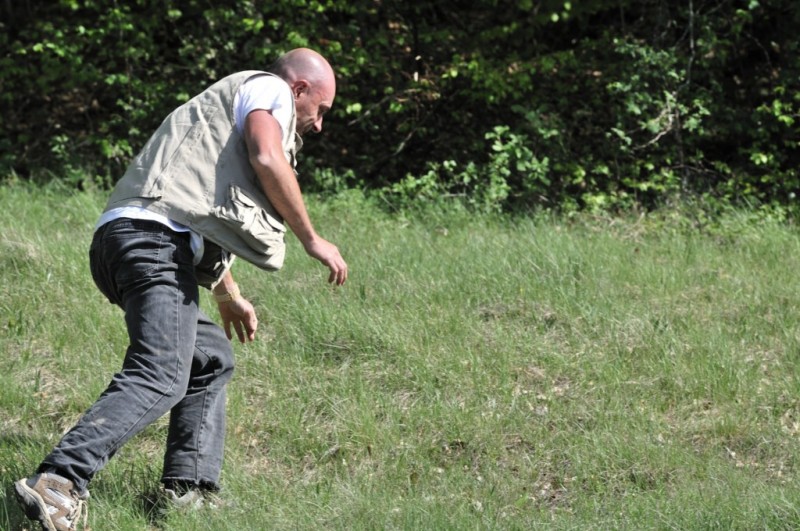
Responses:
[263,137]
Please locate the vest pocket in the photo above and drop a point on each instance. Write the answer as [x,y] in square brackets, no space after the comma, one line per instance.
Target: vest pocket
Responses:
[250,219]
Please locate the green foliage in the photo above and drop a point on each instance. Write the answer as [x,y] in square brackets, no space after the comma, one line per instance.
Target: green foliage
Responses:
[486,187]
[508,105]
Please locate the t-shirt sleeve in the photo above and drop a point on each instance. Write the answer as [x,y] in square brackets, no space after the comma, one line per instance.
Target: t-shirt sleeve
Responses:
[267,93]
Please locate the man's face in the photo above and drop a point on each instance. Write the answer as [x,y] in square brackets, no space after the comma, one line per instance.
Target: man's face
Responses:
[311,104]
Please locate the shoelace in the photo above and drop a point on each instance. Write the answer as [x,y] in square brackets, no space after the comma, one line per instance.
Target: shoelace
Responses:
[76,511]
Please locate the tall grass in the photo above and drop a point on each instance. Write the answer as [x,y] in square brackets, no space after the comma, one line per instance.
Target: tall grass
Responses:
[474,373]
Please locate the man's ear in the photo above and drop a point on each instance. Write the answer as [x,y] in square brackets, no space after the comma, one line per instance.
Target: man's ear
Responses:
[300,86]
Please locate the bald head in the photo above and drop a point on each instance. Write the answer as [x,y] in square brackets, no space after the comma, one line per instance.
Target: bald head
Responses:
[313,85]
[303,63]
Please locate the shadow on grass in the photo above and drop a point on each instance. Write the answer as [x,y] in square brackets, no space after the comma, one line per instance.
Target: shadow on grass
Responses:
[15,463]
[11,515]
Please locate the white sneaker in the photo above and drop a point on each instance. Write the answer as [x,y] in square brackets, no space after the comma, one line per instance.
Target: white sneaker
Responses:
[192,499]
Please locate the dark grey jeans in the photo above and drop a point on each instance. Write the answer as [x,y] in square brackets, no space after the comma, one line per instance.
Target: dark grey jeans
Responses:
[178,360]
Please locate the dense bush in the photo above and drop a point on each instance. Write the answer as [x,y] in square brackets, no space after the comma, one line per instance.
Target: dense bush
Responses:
[506,104]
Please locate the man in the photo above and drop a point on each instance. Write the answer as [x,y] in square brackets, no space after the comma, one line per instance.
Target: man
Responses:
[215,181]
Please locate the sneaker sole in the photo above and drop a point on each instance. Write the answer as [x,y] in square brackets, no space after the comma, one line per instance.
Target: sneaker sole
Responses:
[34,505]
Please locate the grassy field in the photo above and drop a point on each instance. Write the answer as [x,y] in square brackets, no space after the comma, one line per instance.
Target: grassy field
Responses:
[474,373]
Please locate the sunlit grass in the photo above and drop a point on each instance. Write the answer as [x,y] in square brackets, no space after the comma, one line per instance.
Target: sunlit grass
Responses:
[474,373]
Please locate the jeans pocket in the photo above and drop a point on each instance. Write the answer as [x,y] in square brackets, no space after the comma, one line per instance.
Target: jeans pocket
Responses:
[98,271]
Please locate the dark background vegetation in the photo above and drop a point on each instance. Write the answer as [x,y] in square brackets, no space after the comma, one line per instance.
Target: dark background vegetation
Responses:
[504,104]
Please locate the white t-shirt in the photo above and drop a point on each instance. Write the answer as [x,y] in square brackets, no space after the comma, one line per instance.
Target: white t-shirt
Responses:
[258,92]
[263,92]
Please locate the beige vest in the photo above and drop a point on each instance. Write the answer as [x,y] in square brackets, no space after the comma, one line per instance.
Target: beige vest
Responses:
[195,170]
